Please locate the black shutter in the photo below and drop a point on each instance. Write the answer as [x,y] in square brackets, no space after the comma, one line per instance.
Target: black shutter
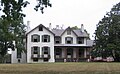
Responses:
[38,38]
[32,49]
[48,50]
[32,38]
[42,38]
[48,38]
[42,50]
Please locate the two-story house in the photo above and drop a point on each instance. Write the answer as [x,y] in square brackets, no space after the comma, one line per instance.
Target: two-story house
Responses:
[57,45]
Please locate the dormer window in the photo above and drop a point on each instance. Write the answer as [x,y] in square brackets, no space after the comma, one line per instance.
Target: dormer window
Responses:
[80,40]
[35,38]
[45,38]
[68,40]
[40,28]
[68,32]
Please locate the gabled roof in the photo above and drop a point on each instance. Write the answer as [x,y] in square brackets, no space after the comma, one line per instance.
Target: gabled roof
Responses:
[67,29]
[79,33]
[57,32]
[41,26]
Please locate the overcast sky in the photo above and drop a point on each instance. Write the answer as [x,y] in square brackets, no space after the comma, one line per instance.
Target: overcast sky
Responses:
[70,13]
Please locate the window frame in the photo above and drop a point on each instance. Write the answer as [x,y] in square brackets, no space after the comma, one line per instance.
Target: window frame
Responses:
[40,28]
[80,40]
[47,39]
[37,38]
[66,41]
[57,39]
[19,54]
[43,50]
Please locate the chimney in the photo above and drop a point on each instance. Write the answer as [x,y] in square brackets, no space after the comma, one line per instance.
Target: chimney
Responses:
[57,26]
[62,26]
[50,26]
[28,26]
[82,28]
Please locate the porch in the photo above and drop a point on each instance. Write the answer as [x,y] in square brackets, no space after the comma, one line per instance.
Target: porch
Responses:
[71,54]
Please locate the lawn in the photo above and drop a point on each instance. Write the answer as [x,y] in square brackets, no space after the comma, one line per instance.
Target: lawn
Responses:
[61,68]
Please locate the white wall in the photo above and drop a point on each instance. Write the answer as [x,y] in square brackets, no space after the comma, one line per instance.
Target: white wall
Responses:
[14,58]
[40,44]
[65,35]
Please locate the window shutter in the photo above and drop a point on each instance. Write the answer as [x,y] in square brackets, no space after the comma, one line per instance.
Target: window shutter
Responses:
[42,50]
[72,40]
[48,50]
[38,38]
[42,38]
[38,50]
[66,40]
[48,38]
[32,48]
[32,38]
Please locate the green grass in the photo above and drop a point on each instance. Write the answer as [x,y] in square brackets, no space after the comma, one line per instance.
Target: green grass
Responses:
[61,68]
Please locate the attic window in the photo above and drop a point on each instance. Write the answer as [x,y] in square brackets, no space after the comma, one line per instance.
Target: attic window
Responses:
[40,28]
[68,32]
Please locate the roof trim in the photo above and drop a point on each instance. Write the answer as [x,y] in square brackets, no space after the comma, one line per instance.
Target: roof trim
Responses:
[42,26]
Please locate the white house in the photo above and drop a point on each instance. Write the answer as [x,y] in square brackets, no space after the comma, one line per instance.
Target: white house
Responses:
[40,45]
[57,45]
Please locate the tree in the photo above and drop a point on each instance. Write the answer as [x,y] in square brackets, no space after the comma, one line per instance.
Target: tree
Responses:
[108,34]
[12,27]
[75,28]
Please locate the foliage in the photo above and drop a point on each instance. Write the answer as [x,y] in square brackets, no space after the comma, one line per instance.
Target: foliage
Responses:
[42,4]
[12,27]
[75,28]
[108,34]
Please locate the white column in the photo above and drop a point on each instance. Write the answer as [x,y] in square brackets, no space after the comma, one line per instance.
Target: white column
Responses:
[74,52]
[84,52]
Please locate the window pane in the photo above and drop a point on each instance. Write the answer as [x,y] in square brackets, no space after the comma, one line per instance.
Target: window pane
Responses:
[35,38]
[69,40]
[18,54]
[45,38]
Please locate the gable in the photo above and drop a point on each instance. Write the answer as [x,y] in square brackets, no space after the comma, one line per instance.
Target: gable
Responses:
[68,31]
[39,29]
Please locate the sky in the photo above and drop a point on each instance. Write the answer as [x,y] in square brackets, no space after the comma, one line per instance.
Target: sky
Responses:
[70,13]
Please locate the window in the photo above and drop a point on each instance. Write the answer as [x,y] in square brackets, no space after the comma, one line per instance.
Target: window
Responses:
[69,53]
[35,59]
[35,38]
[35,50]
[57,40]
[46,50]
[68,32]
[45,38]
[80,40]
[68,40]
[58,52]
[19,54]
[40,28]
